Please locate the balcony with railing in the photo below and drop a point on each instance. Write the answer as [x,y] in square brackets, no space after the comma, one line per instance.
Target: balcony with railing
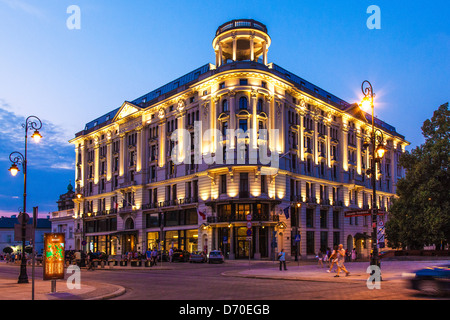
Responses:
[242,217]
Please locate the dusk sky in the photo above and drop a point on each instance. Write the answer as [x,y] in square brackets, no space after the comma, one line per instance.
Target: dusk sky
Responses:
[125,49]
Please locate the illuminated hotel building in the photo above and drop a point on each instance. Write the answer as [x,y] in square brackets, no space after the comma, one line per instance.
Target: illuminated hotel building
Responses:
[135,197]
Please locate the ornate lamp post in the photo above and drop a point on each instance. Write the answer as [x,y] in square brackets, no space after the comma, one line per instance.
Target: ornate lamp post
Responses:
[378,150]
[34,123]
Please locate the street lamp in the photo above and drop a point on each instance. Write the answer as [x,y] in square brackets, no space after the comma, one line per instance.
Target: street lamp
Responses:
[34,123]
[378,150]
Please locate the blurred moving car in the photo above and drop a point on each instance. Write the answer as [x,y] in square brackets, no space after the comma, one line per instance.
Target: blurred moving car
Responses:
[197,256]
[433,280]
[180,256]
[216,256]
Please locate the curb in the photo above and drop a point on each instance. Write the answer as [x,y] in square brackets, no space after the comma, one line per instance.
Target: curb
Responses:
[120,291]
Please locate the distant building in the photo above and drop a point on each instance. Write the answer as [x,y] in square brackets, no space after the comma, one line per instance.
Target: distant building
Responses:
[62,220]
[7,233]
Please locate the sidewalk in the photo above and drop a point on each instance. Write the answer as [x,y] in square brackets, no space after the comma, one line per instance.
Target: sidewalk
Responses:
[390,270]
[11,290]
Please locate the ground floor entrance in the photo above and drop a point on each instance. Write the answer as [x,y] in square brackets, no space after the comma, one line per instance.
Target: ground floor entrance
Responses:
[234,242]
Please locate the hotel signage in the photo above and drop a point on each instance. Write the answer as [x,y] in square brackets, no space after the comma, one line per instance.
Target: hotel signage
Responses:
[53,259]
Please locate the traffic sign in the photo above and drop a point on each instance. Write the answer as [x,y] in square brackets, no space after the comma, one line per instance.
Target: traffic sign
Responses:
[249,224]
[249,238]
[249,232]
[298,238]
[249,217]
[83,243]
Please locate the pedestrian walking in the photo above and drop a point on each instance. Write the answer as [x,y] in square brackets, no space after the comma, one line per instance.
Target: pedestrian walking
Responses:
[320,258]
[78,258]
[354,254]
[170,254]
[282,259]
[154,257]
[333,259]
[148,255]
[341,260]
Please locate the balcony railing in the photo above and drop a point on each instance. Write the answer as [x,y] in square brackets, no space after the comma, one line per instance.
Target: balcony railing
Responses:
[243,217]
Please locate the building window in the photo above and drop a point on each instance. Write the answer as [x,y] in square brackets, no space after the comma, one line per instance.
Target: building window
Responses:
[243,125]
[243,82]
[243,185]
[310,242]
[259,106]
[243,103]
[309,218]
[336,222]
[323,219]
[225,106]
[223,183]
[263,184]
[323,240]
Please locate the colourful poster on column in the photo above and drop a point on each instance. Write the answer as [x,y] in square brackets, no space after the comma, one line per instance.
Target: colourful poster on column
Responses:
[54,244]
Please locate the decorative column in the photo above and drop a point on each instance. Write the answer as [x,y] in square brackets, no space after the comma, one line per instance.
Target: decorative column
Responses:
[232,95]
[316,141]
[252,47]
[234,47]
[220,54]
[301,137]
[108,159]
[162,143]
[139,149]
[254,126]
[96,161]
[232,256]
[358,152]
[264,53]
[344,146]
[122,155]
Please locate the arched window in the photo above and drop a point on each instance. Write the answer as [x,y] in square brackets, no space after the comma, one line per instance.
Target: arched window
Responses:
[225,106]
[259,106]
[243,103]
[129,224]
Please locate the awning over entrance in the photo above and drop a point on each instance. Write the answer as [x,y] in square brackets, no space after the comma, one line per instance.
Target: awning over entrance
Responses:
[361,236]
[125,232]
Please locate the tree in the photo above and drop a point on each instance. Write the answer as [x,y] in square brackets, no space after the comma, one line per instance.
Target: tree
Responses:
[421,213]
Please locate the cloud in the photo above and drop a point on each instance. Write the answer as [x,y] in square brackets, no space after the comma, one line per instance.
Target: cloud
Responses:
[24,7]
[53,151]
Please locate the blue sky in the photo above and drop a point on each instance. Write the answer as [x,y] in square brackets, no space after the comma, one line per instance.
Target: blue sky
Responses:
[125,49]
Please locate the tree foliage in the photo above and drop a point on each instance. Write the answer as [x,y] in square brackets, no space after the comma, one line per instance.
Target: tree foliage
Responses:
[421,213]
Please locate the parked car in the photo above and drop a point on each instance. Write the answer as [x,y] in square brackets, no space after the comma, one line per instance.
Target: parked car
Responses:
[216,256]
[197,256]
[433,280]
[180,256]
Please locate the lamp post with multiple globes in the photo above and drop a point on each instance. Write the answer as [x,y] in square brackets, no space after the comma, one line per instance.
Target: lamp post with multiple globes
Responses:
[17,158]
[377,151]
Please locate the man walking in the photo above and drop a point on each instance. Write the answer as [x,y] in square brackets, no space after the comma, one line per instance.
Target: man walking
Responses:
[154,257]
[341,260]
[282,259]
